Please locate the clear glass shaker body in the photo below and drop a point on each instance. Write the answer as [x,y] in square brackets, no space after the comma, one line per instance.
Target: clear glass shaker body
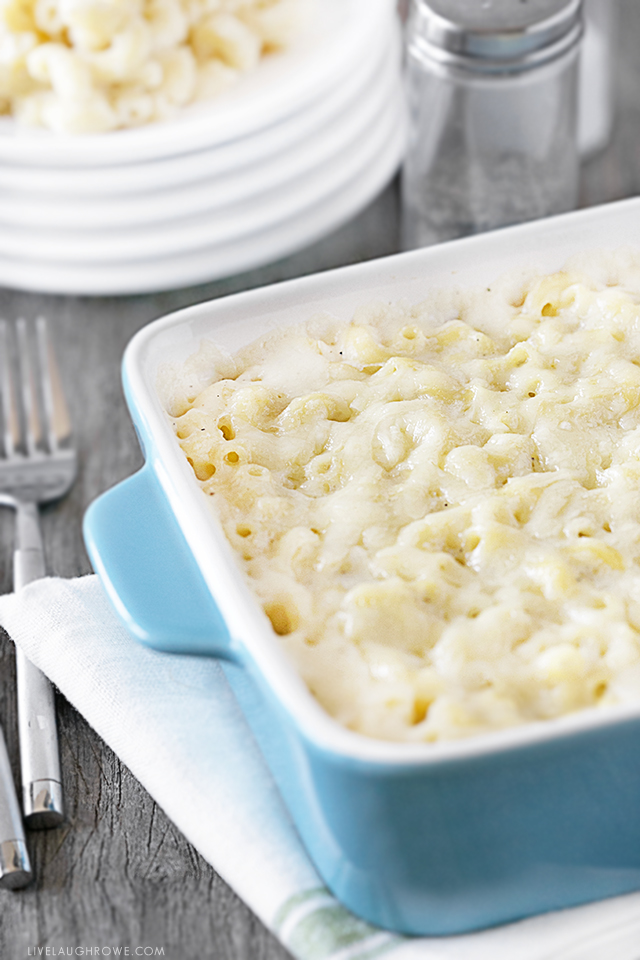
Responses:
[487,150]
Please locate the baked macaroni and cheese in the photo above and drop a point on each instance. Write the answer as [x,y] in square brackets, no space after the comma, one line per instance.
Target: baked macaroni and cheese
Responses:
[438,505]
[88,66]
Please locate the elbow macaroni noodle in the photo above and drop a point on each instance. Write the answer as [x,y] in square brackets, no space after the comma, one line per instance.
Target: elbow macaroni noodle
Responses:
[88,66]
[438,506]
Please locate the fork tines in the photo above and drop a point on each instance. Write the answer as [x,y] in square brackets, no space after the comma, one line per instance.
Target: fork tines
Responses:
[35,419]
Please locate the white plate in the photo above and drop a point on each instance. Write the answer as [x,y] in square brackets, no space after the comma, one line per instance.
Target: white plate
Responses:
[212,262]
[169,172]
[234,221]
[320,147]
[336,34]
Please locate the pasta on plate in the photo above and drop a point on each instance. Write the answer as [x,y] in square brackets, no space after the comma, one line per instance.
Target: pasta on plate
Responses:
[438,505]
[89,66]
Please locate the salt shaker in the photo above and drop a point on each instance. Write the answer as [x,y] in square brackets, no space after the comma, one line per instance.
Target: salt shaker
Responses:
[492,96]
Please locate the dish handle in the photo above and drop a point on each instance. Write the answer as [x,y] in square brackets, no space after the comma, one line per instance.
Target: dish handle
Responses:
[148,571]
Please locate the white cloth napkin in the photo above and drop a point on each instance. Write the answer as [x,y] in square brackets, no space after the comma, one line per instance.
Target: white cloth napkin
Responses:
[174,722]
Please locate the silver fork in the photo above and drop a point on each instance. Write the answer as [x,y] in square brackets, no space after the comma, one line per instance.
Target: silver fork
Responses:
[38,465]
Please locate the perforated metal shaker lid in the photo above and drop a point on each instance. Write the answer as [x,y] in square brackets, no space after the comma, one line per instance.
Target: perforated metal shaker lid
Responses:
[495,35]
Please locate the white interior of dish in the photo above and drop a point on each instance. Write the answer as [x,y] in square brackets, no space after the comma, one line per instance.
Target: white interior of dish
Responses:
[235,321]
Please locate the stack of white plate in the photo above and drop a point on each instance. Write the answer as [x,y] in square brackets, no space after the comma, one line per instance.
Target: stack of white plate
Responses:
[295,149]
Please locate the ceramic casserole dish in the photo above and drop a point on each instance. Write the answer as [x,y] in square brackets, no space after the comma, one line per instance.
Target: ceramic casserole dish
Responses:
[421,838]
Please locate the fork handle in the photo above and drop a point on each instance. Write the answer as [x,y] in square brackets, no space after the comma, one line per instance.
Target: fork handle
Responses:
[42,800]
[15,869]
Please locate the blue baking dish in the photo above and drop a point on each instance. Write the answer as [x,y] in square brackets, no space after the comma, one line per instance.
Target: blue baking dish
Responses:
[419,838]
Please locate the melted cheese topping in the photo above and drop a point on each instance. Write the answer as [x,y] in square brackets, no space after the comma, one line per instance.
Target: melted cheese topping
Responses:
[438,506]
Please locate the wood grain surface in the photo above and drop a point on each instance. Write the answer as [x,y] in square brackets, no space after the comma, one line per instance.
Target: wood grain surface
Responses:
[118,872]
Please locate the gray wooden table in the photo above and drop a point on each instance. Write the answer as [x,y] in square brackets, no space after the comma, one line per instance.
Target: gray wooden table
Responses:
[118,872]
